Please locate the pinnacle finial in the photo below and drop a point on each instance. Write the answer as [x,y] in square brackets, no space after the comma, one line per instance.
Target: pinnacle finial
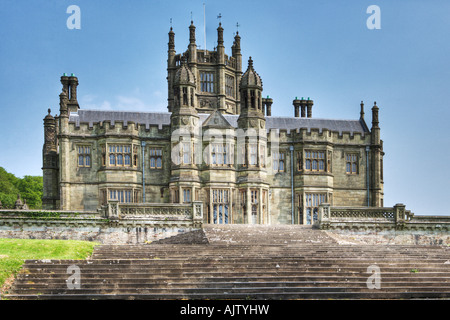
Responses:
[49,110]
[250,62]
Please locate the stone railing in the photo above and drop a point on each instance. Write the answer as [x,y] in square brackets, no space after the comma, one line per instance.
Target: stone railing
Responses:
[113,223]
[155,211]
[377,218]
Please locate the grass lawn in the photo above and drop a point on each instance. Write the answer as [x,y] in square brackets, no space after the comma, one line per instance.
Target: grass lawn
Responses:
[13,252]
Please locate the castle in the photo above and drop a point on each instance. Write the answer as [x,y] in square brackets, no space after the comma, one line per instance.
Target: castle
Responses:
[218,144]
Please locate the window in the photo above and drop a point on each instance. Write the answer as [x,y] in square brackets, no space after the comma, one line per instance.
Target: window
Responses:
[243,203]
[220,154]
[104,158]
[120,155]
[185,96]
[135,156]
[123,196]
[278,161]
[252,99]
[351,163]
[220,205]
[155,158]
[315,160]
[299,161]
[253,154]
[207,81]
[312,202]
[175,195]
[254,204]
[299,197]
[242,154]
[186,152]
[84,156]
[329,157]
[229,85]
[262,155]
[186,195]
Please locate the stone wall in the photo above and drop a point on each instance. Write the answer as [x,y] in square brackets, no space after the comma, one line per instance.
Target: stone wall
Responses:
[107,227]
[388,237]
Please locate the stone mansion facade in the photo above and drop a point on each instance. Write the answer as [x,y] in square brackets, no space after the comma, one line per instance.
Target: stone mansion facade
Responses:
[218,143]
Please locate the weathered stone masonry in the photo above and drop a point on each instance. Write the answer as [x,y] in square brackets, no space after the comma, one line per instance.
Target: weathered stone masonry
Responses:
[218,144]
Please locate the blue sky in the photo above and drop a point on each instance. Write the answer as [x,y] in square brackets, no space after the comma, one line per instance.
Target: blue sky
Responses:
[317,49]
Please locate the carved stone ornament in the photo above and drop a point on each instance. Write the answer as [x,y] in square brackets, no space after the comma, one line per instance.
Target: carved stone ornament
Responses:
[208,103]
[184,120]
[253,122]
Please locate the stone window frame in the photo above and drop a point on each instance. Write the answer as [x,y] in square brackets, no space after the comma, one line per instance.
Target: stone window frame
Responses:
[352,163]
[220,204]
[253,154]
[311,205]
[155,154]
[85,155]
[229,85]
[279,161]
[121,153]
[220,154]
[314,160]
[186,154]
[207,81]
[254,203]
[120,195]
[262,155]
[187,195]
[299,163]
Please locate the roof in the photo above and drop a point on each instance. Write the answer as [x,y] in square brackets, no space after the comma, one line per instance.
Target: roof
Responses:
[163,118]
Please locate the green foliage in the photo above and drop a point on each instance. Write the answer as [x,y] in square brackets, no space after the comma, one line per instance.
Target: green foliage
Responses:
[29,187]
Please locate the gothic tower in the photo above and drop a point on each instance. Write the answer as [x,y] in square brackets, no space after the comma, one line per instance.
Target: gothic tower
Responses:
[217,74]
[185,136]
[252,147]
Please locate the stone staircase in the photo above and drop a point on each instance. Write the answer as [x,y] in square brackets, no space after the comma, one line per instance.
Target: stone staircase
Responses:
[243,262]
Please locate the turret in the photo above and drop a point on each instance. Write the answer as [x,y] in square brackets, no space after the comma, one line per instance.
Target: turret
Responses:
[376,149]
[236,51]
[50,164]
[220,46]
[250,90]
[184,88]
[192,49]
[171,66]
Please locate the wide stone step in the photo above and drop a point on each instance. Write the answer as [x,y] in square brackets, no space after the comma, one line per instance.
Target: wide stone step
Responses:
[117,283]
[238,296]
[243,262]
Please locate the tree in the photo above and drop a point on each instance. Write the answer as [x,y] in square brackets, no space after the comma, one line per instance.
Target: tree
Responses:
[30,189]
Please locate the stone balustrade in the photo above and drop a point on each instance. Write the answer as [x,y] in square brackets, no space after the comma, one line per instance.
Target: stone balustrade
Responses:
[155,211]
[378,218]
[113,223]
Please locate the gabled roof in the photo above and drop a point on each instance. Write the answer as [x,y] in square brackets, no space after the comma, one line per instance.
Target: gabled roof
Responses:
[216,120]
